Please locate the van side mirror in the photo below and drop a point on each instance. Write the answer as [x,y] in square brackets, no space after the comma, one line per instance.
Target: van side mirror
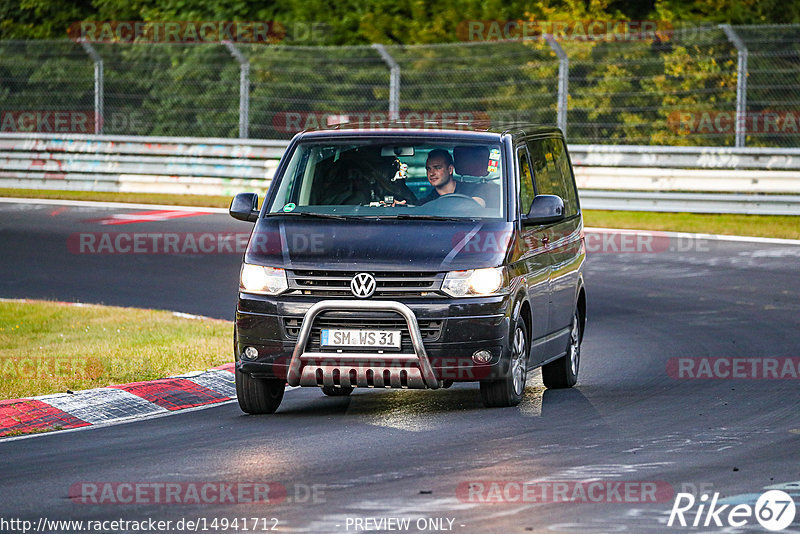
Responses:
[244,207]
[545,209]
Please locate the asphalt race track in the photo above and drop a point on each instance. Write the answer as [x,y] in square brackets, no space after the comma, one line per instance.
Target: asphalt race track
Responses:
[634,420]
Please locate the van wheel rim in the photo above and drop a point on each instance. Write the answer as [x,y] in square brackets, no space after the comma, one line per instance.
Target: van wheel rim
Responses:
[518,361]
[574,346]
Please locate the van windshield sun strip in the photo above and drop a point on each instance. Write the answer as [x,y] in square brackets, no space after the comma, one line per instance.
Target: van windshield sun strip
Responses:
[305,214]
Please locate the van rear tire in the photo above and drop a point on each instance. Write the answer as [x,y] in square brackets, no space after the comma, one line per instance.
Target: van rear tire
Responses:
[258,395]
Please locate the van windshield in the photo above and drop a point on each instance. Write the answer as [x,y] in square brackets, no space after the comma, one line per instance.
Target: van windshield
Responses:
[401,178]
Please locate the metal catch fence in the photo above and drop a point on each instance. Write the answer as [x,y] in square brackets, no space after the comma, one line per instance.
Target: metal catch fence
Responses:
[696,86]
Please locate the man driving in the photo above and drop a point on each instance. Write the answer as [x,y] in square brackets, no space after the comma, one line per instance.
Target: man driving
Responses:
[439,167]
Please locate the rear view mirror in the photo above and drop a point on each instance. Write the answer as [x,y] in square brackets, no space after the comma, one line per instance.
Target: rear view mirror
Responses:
[244,207]
[545,209]
[405,151]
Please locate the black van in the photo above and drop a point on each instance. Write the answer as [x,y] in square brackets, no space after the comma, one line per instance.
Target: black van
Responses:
[412,258]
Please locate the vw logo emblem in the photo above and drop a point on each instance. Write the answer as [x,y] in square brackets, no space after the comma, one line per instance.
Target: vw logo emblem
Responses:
[363,285]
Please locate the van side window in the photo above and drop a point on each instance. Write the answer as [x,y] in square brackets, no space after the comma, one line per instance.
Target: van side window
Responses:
[526,190]
[568,179]
[552,172]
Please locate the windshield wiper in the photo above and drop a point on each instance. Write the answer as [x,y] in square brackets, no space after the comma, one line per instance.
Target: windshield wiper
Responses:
[350,217]
[305,214]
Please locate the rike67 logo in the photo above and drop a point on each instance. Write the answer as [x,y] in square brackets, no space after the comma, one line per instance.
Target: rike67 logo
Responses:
[774,510]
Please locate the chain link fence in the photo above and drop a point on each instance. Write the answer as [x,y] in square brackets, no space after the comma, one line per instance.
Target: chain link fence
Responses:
[700,86]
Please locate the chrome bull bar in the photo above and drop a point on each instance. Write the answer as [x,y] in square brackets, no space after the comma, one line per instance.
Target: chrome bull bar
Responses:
[326,374]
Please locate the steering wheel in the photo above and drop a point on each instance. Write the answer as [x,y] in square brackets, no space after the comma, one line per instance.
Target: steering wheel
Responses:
[456,197]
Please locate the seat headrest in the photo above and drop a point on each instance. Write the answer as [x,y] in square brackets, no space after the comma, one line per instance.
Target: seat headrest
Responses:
[471,160]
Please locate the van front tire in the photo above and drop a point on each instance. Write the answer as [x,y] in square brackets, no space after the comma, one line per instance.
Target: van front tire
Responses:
[508,391]
[258,395]
[563,373]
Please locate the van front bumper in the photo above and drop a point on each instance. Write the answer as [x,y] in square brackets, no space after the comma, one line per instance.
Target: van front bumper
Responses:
[466,326]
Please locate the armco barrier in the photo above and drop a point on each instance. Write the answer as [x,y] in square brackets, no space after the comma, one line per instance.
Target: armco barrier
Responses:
[706,169]
[137,164]
[699,180]
[186,165]
[686,157]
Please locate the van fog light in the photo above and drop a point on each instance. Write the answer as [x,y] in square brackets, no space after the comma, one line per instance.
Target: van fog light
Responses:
[482,356]
[250,353]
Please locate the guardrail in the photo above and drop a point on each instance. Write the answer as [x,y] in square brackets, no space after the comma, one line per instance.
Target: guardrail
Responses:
[137,164]
[659,168]
[610,177]
[686,157]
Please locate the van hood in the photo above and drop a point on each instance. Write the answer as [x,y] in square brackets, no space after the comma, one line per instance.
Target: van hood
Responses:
[379,244]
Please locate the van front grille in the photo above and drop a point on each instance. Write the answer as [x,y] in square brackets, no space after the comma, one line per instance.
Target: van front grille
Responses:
[388,284]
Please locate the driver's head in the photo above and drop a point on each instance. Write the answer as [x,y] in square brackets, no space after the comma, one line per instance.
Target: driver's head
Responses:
[439,167]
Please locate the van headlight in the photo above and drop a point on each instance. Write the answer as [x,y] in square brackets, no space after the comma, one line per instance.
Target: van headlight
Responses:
[475,282]
[262,280]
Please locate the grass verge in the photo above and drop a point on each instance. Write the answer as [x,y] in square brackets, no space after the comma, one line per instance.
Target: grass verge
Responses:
[727,224]
[787,227]
[49,347]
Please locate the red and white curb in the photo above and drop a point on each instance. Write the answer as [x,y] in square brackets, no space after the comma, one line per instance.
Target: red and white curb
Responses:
[113,404]
[147,216]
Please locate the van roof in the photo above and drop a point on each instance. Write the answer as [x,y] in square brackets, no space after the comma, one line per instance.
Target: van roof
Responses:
[435,128]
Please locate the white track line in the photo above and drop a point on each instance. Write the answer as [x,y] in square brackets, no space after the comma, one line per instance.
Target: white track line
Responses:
[709,237]
[122,205]
[98,204]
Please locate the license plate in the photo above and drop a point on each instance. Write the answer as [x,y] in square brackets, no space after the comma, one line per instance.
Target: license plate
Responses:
[352,337]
